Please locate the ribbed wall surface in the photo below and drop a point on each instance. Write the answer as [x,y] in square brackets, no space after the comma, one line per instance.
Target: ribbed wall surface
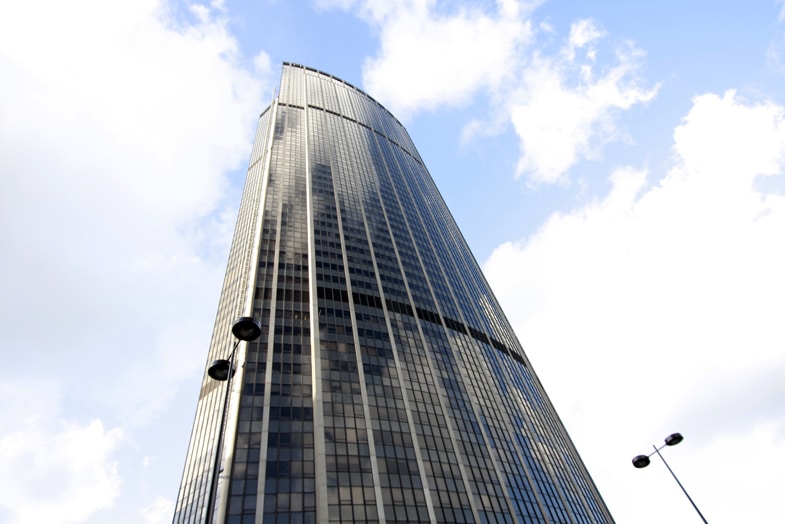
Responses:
[387,384]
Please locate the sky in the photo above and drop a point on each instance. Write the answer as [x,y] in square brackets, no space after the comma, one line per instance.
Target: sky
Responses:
[618,169]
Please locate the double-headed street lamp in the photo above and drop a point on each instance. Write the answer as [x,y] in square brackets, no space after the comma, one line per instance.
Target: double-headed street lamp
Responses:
[641,461]
[245,329]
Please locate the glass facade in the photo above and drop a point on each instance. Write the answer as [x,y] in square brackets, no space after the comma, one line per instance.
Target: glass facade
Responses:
[387,384]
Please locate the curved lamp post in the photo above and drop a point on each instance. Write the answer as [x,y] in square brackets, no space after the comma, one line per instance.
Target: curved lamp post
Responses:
[245,329]
[641,461]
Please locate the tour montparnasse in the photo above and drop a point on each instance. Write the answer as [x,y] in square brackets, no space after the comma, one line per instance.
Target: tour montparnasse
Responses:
[372,375]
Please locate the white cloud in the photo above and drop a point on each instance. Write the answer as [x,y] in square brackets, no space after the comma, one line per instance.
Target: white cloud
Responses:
[662,305]
[218,5]
[429,58]
[54,470]
[564,107]
[582,33]
[710,147]
[119,125]
[262,64]
[159,512]
[117,133]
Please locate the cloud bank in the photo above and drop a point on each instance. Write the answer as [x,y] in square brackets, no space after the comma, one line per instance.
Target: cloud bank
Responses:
[119,125]
[54,470]
[651,299]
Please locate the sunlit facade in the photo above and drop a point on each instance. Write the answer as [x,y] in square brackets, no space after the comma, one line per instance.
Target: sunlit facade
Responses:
[387,384]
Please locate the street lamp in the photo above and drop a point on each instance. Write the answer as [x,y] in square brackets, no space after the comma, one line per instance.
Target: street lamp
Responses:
[641,461]
[245,329]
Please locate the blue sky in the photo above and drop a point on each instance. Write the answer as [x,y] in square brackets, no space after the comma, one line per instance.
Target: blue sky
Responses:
[617,168]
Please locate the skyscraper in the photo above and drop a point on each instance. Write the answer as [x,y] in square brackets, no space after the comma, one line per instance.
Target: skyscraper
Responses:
[387,384]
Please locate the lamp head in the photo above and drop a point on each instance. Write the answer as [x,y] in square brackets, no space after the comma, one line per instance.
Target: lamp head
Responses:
[219,370]
[247,329]
[641,461]
[672,440]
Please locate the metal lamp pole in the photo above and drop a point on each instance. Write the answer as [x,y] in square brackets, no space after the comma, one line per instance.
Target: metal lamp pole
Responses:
[244,329]
[641,461]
